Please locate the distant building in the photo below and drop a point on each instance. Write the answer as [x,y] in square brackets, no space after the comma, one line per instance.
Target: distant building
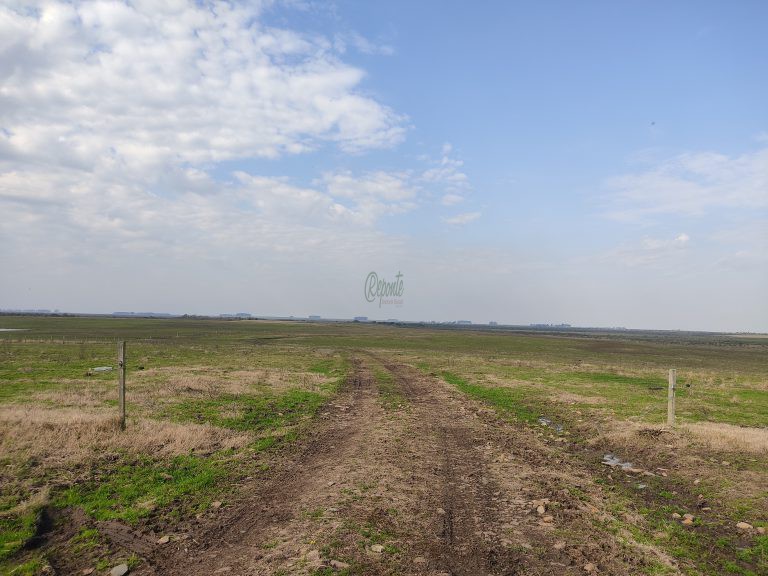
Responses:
[492,323]
[361,318]
[314,317]
[143,314]
[464,322]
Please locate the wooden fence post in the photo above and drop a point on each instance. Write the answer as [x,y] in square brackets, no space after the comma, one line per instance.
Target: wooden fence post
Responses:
[121,381]
[671,398]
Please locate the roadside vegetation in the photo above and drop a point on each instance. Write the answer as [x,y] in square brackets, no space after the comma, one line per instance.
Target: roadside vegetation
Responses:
[201,417]
[715,472]
[211,402]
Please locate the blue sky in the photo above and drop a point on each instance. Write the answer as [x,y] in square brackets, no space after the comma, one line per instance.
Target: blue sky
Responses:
[598,163]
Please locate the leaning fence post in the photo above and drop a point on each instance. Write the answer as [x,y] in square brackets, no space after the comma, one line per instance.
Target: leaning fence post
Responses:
[121,381]
[671,397]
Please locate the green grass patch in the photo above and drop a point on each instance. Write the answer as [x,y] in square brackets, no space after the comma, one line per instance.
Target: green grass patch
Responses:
[699,551]
[15,531]
[389,392]
[327,367]
[30,567]
[509,401]
[756,555]
[133,490]
[86,539]
[248,412]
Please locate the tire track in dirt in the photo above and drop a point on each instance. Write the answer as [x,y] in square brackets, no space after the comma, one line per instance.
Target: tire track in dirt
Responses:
[438,486]
[232,542]
[492,478]
[469,512]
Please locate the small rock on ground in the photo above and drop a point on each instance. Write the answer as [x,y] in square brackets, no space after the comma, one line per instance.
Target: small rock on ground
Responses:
[744,526]
[119,570]
[338,564]
[313,556]
[378,548]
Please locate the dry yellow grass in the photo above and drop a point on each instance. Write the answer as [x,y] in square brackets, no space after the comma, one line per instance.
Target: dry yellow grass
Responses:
[67,437]
[505,382]
[37,499]
[632,437]
[215,381]
[149,388]
[80,394]
[570,398]
[729,438]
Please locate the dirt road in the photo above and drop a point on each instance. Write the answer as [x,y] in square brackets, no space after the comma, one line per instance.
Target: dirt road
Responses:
[434,484]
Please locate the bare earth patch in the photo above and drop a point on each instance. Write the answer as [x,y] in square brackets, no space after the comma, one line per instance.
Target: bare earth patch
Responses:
[438,485]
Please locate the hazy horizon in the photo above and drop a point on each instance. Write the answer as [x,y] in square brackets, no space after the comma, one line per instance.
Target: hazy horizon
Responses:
[595,164]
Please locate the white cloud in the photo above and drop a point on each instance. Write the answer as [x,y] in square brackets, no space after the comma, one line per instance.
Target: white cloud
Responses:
[463,218]
[360,43]
[744,244]
[113,115]
[61,218]
[692,184]
[150,84]
[447,173]
[649,251]
[116,120]
[451,199]
[372,195]
[377,185]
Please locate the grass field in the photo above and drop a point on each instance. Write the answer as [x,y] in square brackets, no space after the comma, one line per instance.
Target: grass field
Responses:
[213,403]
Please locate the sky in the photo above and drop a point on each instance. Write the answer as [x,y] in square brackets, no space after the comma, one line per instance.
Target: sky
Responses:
[596,163]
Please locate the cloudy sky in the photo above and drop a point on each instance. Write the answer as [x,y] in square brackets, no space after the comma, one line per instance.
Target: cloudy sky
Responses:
[597,163]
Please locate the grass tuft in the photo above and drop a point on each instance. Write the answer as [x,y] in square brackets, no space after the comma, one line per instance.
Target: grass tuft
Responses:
[509,401]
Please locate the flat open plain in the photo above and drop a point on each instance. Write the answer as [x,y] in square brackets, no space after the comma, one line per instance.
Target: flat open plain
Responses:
[292,448]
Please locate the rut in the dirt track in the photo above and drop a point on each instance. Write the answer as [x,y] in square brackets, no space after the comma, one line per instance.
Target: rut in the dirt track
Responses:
[235,537]
[443,482]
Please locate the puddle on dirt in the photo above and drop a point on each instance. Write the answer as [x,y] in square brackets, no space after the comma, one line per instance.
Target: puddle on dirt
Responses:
[544,421]
[613,461]
[101,369]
